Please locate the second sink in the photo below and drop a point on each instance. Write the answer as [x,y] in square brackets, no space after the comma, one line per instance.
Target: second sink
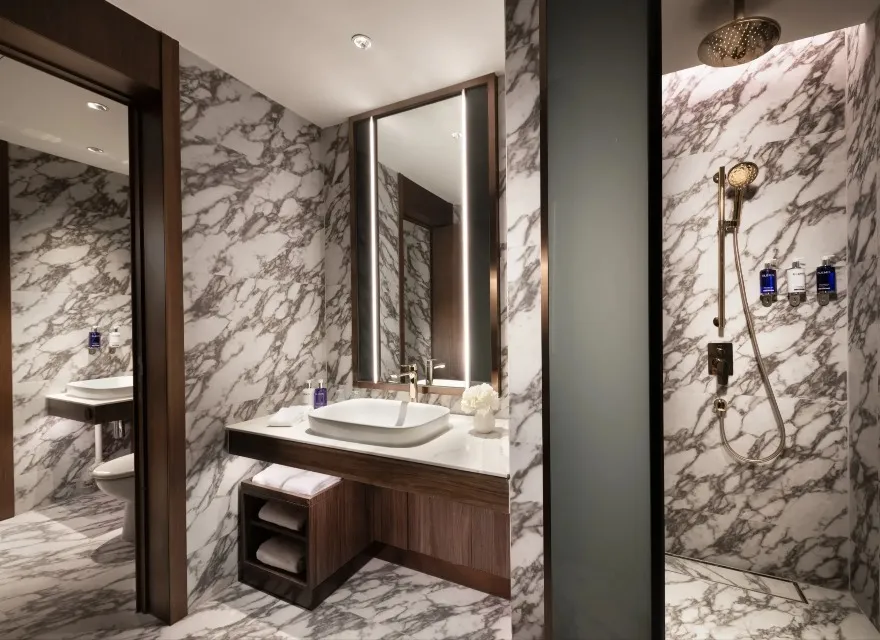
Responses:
[389,423]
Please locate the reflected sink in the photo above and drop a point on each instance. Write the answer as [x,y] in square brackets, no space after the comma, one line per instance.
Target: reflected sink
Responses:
[117,387]
[444,382]
[388,423]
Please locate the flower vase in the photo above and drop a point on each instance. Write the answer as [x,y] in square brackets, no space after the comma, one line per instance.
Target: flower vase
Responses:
[484,422]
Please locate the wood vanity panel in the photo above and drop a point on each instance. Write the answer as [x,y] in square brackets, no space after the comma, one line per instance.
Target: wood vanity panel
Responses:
[338,529]
[468,487]
[440,528]
[490,542]
[389,516]
[446,300]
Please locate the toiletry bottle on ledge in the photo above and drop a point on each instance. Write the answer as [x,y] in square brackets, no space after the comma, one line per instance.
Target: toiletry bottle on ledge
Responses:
[320,395]
[769,292]
[309,396]
[826,281]
[114,340]
[796,278]
[94,340]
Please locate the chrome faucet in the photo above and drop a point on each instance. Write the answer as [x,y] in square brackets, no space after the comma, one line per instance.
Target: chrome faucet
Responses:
[409,373]
[432,364]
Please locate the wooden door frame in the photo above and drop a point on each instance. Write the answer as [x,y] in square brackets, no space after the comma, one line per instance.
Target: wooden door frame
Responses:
[99,47]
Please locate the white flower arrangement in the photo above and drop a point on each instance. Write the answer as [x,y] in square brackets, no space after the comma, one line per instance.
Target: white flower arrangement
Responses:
[480,399]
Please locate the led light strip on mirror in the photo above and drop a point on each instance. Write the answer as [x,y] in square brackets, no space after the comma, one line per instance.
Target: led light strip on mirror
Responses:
[465,249]
[374,248]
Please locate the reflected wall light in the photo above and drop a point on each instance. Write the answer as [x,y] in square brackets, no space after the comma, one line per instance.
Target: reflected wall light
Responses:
[465,248]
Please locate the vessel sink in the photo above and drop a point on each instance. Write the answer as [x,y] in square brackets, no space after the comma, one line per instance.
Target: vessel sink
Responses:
[117,387]
[389,423]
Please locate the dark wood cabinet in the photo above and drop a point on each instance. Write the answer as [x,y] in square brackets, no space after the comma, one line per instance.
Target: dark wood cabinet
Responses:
[389,516]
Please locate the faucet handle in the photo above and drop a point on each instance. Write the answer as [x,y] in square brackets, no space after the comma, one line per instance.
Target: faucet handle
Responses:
[434,363]
[409,367]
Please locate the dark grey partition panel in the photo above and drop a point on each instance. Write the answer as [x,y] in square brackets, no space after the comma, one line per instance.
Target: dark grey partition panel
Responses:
[603,416]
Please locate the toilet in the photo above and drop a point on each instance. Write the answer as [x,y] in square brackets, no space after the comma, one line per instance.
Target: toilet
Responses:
[116,478]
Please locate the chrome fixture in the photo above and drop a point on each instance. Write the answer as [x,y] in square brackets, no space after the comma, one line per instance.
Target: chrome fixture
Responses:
[740,177]
[118,427]
[410,374]
[97,106]
[721,361]
[739,41]
[431,365]
[95,149]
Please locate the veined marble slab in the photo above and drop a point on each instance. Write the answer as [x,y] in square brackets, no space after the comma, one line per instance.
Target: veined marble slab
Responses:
[726,575]
[459,448]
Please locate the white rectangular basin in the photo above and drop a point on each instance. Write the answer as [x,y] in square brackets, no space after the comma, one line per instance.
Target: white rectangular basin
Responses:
[389,423]
[121,387]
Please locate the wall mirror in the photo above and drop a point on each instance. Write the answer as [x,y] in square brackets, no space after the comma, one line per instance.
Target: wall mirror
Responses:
[425,245]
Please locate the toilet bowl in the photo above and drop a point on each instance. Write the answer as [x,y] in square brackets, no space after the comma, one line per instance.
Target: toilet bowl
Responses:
[116,478]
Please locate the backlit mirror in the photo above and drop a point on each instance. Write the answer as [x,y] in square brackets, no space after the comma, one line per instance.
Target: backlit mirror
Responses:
[425,220]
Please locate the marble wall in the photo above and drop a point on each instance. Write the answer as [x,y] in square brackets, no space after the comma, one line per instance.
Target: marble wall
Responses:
[388,218]
[522,197]
[71,269]
[253,184]
[417,300]
[786,112]
[862,111]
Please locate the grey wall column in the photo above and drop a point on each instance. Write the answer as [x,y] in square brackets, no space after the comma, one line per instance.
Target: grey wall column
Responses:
[603,418]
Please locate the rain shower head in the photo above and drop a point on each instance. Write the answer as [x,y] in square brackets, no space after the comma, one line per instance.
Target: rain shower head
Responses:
[742,175]
[740,40]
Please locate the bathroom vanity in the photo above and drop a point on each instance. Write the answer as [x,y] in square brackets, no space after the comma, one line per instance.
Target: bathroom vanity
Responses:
[440,507]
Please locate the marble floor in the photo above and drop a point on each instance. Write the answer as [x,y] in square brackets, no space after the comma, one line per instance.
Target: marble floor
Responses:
[64,574]
[705,602]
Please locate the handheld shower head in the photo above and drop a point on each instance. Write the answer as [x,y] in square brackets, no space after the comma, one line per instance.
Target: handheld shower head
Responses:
[742,175]
[739,177]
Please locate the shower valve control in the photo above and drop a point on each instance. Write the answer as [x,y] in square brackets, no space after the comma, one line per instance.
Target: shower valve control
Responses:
[721,361]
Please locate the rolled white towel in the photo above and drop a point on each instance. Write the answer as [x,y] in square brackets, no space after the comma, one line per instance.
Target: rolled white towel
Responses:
[283,515]
[275,476]
[282,554]
[309,483]
[285,417]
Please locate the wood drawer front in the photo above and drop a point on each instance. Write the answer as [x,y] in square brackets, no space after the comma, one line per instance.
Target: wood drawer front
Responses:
[460,533]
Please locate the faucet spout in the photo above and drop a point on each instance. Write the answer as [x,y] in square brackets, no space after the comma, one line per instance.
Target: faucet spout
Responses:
[409,373]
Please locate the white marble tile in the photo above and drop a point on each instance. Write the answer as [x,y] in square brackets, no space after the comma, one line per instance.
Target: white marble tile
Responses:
[734,577]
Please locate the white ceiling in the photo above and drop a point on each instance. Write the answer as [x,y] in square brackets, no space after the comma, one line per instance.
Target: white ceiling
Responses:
[686,22]
[419,144]
[299,52]
[48,114]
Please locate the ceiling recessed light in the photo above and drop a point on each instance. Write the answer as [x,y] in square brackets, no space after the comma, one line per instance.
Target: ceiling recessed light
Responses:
[456,135]
[95,149]
[97,106]
[361,41]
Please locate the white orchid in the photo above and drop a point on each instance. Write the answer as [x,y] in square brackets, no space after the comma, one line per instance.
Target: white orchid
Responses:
[481,399]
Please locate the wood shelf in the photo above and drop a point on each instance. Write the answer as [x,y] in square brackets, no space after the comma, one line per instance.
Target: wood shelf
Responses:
[296,578]
[283,531]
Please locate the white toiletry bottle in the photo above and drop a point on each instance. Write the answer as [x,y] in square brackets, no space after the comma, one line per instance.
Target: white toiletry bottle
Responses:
[796,279]
[309,396]
[114,340]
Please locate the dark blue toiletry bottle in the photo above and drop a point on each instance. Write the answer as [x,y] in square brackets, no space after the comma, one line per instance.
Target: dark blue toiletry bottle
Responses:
[826,281]
[769,292]
[94,339]
[320,395]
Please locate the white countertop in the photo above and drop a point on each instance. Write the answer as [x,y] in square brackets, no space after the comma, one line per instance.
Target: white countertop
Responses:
[459,448]
[86,401]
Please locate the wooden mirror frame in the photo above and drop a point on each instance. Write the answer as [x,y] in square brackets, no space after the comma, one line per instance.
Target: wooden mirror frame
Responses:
[491,83]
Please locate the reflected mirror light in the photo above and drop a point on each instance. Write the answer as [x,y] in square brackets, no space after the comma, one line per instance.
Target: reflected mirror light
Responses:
[465,247]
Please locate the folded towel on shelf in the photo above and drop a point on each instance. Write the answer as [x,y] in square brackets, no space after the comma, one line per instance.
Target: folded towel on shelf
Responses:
[285,416]
[309,483]
[275,476]
[283,515]
[282,554]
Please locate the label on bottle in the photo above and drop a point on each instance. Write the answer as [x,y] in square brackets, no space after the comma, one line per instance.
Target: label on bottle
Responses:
[320,398]
[768,282]
[94,340]
[826,280]
[797,281]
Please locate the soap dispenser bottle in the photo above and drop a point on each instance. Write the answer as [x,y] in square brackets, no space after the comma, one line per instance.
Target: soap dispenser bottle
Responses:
[94,340]
[320,395]
[769,291]
[826,281]
[114,340]
[796,278]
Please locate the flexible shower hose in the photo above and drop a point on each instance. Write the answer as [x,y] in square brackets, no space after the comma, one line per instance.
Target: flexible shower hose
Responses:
[780,425]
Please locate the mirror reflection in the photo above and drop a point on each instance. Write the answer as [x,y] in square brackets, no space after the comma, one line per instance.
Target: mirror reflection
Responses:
[426,224]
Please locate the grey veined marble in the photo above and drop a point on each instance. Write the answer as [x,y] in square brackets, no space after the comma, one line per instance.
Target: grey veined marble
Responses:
[787,112]
[71,269]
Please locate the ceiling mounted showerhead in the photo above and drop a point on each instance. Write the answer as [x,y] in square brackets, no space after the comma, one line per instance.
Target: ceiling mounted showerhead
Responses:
[740,40]
[742,175]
